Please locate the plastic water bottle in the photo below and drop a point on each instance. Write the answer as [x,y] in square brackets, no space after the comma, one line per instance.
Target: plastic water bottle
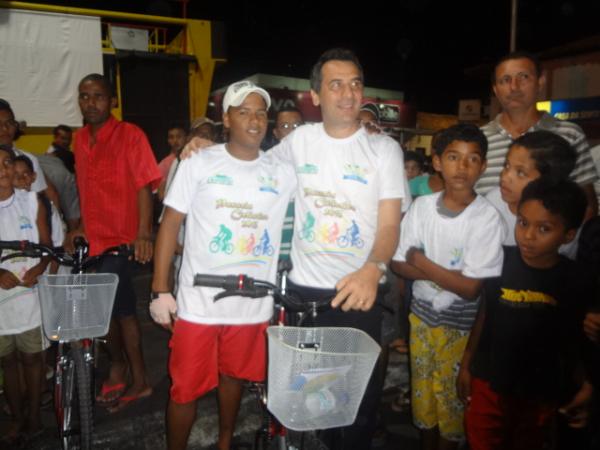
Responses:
[320,402]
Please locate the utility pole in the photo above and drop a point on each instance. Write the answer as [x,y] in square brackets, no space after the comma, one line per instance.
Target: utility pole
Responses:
[513,25]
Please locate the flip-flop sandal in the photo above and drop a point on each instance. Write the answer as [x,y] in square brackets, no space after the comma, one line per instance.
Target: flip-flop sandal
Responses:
[106,389]
[125,400]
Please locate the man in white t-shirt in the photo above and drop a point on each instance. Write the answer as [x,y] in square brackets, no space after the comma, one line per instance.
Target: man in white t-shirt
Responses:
[234,198]
[351,188]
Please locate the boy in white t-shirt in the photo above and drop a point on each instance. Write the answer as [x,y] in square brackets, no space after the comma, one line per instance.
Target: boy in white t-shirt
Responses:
[233,198]
[22,217]
[449,242]
[25,176]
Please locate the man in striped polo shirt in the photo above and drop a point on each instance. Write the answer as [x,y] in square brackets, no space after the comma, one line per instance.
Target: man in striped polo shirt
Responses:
[517,81]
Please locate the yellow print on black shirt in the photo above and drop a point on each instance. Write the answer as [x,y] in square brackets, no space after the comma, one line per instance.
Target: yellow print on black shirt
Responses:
[522,297]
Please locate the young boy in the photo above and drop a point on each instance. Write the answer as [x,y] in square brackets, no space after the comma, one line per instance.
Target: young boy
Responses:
[521,360]
[413,164]
[449,242]
[24,178]
[533,155]
[230,194]
[22,217]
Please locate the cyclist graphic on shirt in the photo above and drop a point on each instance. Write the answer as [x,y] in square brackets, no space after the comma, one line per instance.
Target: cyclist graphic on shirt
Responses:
[307,228]
[264,246]
[221,242]
[352,237]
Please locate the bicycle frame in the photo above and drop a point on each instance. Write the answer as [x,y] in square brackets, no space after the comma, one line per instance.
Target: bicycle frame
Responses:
[75,358]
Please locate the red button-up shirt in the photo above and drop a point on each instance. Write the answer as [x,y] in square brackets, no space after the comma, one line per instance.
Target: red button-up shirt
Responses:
[109,175]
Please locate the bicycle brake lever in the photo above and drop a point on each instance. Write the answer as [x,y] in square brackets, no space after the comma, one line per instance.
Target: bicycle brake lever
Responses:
[241,293]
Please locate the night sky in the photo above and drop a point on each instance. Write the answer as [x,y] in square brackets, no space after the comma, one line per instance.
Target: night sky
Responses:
[421,47]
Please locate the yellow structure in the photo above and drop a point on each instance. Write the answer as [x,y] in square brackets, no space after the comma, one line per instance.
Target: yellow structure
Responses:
[193,39]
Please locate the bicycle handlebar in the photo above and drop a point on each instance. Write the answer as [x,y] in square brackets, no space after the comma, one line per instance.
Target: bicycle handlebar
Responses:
[33,250]
[244,286]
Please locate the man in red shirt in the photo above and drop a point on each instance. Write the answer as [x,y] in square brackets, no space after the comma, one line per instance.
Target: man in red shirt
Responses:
[115,167]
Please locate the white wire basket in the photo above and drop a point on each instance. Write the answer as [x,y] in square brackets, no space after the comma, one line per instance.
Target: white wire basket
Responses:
[76,306]
[318,376]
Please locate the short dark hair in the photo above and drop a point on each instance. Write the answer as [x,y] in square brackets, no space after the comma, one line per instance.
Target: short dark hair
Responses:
[414,156]
[98,78]
[177,126]
[333,54]
[465,132]
[289,108]
[554,157]
[563,198]
[520,54]
[25,160]
[8,149]
[61,127]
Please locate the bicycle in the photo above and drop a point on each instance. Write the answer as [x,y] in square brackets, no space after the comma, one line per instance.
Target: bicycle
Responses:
[76,309]
[292,409]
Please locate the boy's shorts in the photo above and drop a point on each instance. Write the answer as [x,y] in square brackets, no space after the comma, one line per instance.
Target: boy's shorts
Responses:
[435,355]
[199,353]
[497,422]
[30,341]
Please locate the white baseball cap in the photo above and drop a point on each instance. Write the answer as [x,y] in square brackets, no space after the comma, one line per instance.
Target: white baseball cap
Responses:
[237,93]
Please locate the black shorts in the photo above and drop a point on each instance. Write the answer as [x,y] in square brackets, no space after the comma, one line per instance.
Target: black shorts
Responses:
[357,436]
[125,300]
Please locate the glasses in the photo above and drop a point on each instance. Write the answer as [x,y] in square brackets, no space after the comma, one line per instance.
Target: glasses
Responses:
[287,126]
[8,124]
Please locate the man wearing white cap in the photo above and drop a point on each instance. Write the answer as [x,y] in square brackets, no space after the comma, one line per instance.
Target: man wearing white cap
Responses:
[234,197]
[350,196]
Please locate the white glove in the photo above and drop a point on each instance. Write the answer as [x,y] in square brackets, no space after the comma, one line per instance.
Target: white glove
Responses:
[163,309]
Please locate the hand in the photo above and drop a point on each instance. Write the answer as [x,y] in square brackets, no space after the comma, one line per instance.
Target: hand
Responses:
[196,144]
[8,280]
[413,254]
[463,385]
[164,310]
[142,249]
[31,276]
[69,244]
[358,290]
[577,411]
[591,326]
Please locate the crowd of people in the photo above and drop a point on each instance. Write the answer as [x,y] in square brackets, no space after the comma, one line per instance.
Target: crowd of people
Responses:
[495,250]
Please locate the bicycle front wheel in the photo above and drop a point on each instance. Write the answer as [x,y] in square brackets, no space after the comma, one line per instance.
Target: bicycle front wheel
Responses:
[83,373]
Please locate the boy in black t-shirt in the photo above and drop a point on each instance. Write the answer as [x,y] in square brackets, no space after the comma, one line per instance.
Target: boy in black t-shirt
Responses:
[523,361]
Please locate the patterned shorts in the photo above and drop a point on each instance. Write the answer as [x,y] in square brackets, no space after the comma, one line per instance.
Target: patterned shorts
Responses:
[435,355]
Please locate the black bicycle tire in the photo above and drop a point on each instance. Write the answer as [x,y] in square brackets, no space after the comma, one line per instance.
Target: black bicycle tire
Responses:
[65,396]
[84,395]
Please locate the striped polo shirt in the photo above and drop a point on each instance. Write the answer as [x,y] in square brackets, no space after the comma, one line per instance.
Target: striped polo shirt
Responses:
[499,140]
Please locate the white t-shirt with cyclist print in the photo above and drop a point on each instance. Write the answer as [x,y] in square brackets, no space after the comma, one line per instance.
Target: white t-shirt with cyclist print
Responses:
[340,184]
[235,211]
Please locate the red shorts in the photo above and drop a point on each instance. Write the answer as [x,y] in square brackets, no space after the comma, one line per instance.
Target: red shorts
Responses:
[500,422]
[199,353]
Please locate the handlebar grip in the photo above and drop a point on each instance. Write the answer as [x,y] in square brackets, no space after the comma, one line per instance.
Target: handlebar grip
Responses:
[14,245]
[226,282]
